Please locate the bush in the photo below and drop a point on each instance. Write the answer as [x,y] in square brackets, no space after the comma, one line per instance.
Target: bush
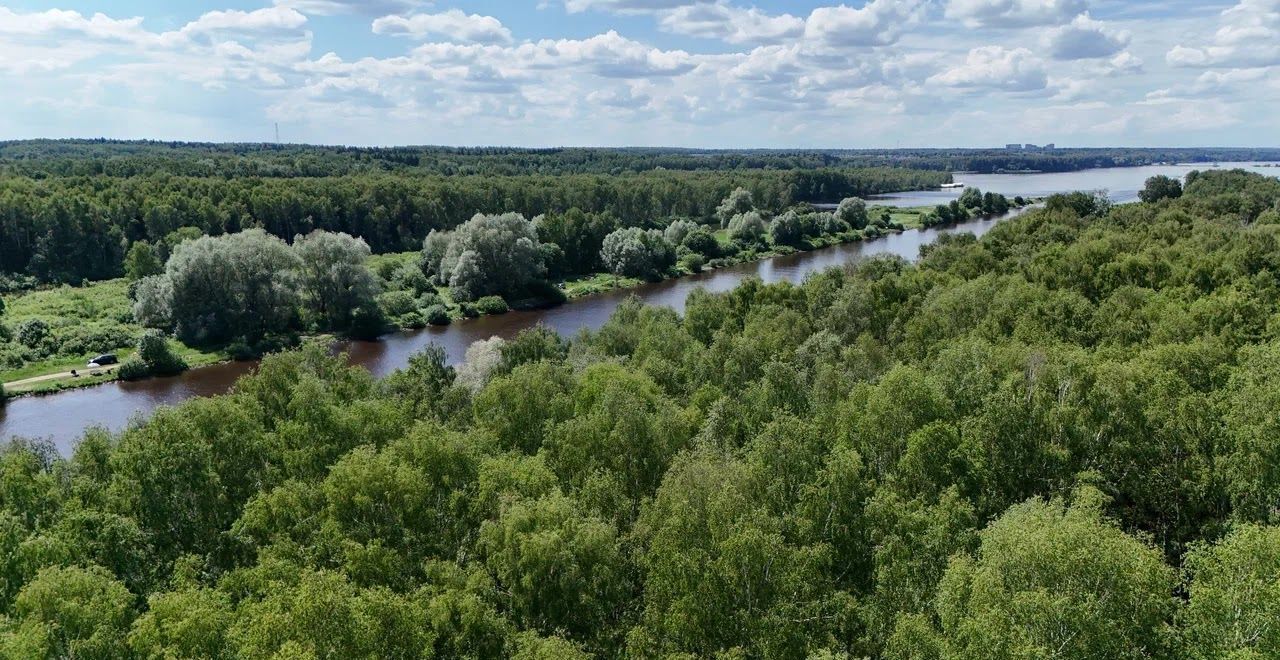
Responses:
[414,320]
[748,228]
[437,315]
[546,293]
[133,369]
[703,242]
[91,338]
[693,262]
[469,310]
[634,252]
[397,303]
[241,352]
[32,332]
[492,305]
[428,299]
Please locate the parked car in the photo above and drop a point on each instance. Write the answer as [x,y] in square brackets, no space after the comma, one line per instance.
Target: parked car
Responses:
[103,360]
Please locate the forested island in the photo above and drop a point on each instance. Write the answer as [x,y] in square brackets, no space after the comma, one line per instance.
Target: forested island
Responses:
[1057,440]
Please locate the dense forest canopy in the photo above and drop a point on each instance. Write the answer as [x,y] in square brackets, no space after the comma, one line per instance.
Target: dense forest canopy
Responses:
[1058,440]
[65,229]
[40,158]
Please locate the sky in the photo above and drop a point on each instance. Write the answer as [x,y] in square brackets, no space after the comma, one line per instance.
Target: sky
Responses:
[687,73]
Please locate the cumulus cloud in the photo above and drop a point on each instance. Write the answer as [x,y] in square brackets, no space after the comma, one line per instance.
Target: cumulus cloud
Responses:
[1085,38]
[333,7]
[453,24]
[1248,36]
[879,22]
[735,25]
[627,6]
[996,67]
[1014,13]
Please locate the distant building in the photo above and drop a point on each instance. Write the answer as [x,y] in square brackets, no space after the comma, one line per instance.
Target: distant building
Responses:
[1050,147]
[1030,147]
[1013,147]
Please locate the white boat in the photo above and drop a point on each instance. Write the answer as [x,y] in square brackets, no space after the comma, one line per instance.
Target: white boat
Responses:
[952,186]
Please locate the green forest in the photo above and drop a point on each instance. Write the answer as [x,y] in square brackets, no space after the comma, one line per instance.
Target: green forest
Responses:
[1058,440]
[71,212]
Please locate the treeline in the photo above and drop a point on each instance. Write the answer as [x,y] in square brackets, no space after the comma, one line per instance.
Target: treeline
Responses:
[43,158]
[987,161]
[74,228]
[1055,441]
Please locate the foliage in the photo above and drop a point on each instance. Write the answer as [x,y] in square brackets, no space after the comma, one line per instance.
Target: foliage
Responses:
[492,305]
[1056,439]
[1160,187]
[488,255]
[748,228]
[853,212]
[635,252]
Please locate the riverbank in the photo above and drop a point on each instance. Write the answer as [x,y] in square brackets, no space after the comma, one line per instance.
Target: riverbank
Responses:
[99,314]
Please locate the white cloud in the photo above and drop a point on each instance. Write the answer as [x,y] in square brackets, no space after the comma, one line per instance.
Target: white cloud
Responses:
[1014,13]
[1248,36]
[996,67]
[368,7]
[735,25]
[1085,38]
[626,6]
[879,22]
[453,24]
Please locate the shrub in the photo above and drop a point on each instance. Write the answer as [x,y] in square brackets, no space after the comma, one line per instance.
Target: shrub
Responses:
[397,303]
[469,310]
[703,242]
[492,305]
[693,262]
[133,369]
[634,252]
[437,315]
[414,320]
[32,332]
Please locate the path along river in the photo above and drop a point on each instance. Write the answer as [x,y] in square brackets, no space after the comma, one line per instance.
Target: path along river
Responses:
[63,417]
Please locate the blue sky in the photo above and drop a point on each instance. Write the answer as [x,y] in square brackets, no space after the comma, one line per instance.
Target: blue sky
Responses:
[700,73]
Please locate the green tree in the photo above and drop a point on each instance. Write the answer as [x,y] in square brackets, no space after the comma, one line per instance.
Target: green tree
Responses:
[1057,579]
[853,212]
[1160,187]
[142,261]
[1233,596]
[75,612]
[334,280]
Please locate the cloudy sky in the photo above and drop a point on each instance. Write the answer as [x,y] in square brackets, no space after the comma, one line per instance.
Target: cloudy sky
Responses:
[705,73]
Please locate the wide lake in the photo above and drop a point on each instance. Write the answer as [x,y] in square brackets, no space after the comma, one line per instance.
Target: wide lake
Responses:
[63,417]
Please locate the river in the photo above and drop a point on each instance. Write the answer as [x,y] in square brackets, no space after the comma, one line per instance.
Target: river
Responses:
[63,417]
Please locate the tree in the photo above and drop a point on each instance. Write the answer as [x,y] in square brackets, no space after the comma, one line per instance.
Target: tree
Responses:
[334,279]
[481,362]
[559,569]
[1160,187]
[787,229]
[852,211]
[142,261]
[76,612]
[488,254]
[703,242]
[1057,579]
[971,198]
[155,353]
[679,229]
[635,252]
[580,235]
[738,202]
[748,228]
[226,287]
[1234,596]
